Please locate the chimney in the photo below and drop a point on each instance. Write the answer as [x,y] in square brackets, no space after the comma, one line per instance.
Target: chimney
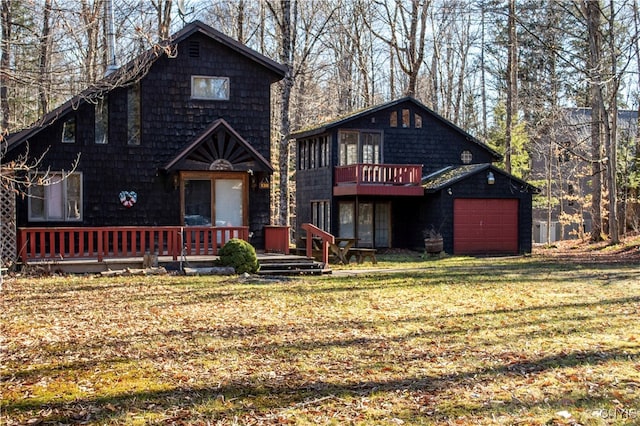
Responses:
[112,64]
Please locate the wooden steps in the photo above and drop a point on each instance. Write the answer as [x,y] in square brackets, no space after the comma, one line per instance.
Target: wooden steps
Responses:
[291,265]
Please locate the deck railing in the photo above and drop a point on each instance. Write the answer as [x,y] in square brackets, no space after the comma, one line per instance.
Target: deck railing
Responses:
[124,241]
[381,174]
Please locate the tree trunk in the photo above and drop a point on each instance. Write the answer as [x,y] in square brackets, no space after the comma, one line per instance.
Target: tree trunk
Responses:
[483,78]
[612,138]
[592,13]
[633,193]
[512,84]
[286,58]
[5,62]
[45,53]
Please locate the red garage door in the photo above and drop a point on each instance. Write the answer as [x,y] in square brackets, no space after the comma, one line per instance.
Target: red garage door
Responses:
[485,226]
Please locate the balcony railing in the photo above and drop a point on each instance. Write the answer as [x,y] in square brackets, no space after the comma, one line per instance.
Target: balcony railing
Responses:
[124,241]
[398,179]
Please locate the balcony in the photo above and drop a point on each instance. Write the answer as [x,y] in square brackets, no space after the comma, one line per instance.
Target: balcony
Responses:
[378,179]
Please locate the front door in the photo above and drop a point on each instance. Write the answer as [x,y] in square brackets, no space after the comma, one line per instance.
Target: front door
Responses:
[214,199]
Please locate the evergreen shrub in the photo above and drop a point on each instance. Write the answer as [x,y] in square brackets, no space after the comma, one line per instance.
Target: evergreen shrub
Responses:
[240,255]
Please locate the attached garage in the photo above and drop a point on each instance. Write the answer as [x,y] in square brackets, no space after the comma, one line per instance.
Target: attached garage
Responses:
[485,226]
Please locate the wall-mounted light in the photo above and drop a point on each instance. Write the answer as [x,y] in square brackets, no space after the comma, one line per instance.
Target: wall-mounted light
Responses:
[449,191]
[491,179]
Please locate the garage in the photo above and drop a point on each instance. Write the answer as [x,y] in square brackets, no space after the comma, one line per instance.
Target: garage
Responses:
[485,226]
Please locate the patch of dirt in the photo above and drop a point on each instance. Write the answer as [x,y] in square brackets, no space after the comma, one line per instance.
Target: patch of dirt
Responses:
[585,251]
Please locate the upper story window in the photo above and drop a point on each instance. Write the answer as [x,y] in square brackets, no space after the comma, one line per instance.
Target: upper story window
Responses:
[359,147]
[466,157]
[102,121]
[133,114]
[69,131]
[211,88]
[58,197]
[405,116]
[313,153]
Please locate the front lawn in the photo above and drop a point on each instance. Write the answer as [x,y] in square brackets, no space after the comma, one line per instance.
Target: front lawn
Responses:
[528,341]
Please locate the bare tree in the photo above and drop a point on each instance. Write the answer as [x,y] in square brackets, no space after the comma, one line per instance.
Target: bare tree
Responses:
[405,34]
[512,83]
[5,61]
[295,50]
[45,57]
[163,10]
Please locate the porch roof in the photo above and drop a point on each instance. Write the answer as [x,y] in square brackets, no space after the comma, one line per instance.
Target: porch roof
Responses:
[451,175]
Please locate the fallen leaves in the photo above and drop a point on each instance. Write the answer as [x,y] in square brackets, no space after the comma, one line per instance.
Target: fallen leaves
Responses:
[448,345]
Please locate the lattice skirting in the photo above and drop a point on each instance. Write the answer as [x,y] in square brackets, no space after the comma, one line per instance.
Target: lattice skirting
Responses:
[8,236]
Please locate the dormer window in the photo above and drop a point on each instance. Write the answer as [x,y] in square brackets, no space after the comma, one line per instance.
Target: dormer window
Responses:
[69,131]
[210,88]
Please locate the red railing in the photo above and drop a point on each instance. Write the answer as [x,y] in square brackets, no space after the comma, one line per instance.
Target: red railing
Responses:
[380,174]
[124,241]
[326,238]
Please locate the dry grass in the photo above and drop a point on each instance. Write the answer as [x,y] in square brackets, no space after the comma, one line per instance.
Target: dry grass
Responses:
[461,341]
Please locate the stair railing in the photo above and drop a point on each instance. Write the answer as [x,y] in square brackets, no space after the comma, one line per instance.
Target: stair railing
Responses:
[326,238]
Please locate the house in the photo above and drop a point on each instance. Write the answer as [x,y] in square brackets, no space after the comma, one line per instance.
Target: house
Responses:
[178,137]
[561,164]
[386,174]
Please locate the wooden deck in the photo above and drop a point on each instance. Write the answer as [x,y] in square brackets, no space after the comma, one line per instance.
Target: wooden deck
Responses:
[270,263]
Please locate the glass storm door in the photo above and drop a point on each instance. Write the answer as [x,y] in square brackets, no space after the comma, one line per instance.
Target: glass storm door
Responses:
[229,196]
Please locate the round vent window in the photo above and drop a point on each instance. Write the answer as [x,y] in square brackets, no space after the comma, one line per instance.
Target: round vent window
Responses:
[466,157]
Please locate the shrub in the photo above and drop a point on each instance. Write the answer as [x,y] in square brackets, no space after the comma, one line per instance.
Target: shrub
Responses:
[240,255]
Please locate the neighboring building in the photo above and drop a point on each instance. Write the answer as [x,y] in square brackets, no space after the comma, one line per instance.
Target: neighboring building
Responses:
[180,136]
[386,174]
[563,164]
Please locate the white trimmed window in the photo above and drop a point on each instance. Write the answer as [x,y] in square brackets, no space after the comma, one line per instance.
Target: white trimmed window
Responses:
[211,88]
[56,198]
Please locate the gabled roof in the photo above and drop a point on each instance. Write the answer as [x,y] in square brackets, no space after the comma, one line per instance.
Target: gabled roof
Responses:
[140,65]
[198,26]
[326,127]
[219,147]
[451,175]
